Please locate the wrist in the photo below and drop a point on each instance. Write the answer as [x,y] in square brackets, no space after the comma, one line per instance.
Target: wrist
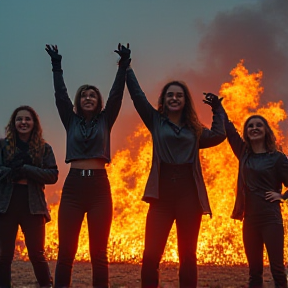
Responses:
[56,66]
[217,108]
[124,63]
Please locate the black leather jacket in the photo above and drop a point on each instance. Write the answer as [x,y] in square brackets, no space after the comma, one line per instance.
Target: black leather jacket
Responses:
[37,177]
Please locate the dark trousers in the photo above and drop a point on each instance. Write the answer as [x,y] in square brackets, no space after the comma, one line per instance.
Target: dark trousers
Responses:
[178,201]
[33,227]
[254,238]
[91,195]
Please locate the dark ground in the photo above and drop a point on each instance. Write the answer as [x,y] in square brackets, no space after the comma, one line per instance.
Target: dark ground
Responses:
[128,275]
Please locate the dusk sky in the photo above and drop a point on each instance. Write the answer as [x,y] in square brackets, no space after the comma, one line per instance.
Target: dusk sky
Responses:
[199,42]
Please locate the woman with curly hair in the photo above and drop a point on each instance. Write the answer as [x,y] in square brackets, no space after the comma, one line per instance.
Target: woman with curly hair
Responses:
[27,163]
[86,189]
[175,188]
[262,171]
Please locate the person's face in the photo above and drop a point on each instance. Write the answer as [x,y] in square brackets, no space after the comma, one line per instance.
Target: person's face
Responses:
[24,123]
[256,129]
[174,99]
[88,101]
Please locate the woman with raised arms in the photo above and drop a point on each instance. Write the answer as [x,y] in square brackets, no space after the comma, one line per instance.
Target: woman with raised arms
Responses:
[86,189]
[175,188]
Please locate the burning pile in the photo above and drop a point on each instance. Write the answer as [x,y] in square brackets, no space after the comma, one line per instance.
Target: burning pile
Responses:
[220,238]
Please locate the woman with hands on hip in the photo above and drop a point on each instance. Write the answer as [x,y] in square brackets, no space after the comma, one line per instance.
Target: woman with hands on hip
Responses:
[27,163]
[175,188]
[87,188]
[262,171]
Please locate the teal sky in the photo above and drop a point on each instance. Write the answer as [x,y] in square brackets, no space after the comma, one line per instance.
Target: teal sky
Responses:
[167,39]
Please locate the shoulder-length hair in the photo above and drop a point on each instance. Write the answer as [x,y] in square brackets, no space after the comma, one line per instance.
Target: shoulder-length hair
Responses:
[78,95]
[189,115]
[270,139]
[36,141]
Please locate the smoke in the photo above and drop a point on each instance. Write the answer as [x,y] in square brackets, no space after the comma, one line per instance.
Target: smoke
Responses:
[256,33]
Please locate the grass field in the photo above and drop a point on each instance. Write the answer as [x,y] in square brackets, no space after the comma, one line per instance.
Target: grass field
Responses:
[128,275]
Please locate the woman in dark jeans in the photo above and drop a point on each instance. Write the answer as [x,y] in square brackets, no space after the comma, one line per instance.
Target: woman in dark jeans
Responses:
[27,163]
[175,188]
[262,171]
[87,188]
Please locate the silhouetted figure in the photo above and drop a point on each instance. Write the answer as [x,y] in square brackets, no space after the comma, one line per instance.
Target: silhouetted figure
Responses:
[175,188]
[87,188]
[262,171]
[27,163]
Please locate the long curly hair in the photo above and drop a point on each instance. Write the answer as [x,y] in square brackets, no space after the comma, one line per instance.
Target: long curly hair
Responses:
[36,141]
[189,115]
[77,98]
[270,139]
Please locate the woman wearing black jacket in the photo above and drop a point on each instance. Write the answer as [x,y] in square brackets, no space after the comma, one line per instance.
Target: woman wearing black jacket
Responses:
[262,171]
[27,163]
[175,188]
[86,188]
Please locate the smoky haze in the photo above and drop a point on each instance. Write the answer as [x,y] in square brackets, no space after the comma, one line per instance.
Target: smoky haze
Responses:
[256,33]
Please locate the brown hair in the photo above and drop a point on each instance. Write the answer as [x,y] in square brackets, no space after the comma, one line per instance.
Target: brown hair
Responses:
[78,95]
[189,115]
[270,139]
[36,141]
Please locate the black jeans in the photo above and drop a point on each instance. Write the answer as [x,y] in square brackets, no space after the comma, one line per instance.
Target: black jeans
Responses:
[91,195]
[254,238]
[178,201]
[33,227]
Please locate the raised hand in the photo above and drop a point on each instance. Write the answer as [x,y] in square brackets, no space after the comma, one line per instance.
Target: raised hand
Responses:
[52,50]
[212,100]
[56,58]
[124,53]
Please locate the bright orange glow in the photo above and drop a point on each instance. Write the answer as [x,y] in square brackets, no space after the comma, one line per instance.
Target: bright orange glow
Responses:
[220,239]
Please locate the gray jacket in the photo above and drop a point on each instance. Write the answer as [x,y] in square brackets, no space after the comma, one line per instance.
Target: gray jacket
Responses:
[155,122]
[37,177]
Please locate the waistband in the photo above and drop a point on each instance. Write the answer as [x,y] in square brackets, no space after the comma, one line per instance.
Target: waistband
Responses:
[175,171]
[87,172]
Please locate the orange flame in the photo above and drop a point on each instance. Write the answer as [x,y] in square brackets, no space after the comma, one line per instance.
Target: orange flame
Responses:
[220,238]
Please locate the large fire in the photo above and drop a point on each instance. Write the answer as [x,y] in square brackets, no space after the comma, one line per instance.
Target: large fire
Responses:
[220,240]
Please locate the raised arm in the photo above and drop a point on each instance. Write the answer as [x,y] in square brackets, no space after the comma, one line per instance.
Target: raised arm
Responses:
[63,102]
[216,134]
[236,142]
[114,101]
[143,107]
